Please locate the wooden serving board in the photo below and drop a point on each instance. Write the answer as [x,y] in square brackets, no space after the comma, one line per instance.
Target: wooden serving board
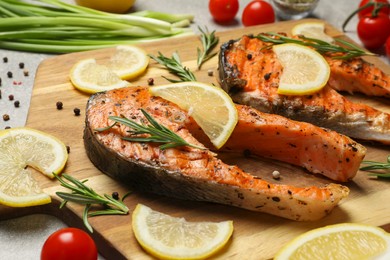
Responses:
[256,235]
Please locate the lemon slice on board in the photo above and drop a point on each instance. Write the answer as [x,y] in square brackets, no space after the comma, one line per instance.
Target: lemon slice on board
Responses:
[348,241]
[305,71]
[210,106]
[312,30]
[168,237]
[128,61]
[21,148]
[90,77]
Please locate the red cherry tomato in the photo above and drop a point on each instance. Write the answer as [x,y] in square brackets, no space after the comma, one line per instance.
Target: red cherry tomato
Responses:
[387,47]
[223,10]
[69,243]
[258,12]
[373,31]
[368,10]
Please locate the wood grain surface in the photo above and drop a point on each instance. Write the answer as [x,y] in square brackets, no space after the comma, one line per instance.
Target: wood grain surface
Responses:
[256,235]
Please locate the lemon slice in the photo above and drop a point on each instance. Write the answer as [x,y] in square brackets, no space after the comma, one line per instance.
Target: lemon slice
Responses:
[90,77]
[305,71]
[210,106]
[128,61]
[312,30]
[23,147]
[339,241]
[168,237]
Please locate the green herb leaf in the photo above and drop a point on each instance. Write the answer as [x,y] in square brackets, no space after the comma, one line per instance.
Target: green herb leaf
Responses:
[337,51]
[174,66]
[209,42]
[84,195]
[156,133]
[381,170]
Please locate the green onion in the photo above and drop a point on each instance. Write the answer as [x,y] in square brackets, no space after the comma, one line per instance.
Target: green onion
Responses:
[56,27]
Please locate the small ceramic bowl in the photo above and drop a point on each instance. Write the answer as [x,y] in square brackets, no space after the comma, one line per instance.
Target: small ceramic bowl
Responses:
[294,9]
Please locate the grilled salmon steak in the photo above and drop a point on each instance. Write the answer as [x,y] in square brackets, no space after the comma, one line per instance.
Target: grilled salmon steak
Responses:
[196,174]
[250,73]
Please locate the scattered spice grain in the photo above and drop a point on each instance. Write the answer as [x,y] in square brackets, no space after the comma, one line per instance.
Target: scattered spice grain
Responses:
[11,97]
[9,74]
[210,73]
[17,103]
[276,175]
[150,81]
[5,117]
[5,59]
[59,105]
[68,149]
[76,111]
[26,73]
[115,195]
[21,65]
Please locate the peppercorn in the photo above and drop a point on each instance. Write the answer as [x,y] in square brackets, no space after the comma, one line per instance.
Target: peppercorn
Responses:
[0,82]
[5,117]
[0,93]
[210,73]
[11,97]
[249,56]
[59,105]
[17,103]
[7,127]
[76,111]
[68,149]
[9,74]
[150,81]
[115,195]
[5,59]
[21,65]
[25,72]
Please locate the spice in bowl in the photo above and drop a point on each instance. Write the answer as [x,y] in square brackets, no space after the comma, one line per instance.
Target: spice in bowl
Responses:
[294,9]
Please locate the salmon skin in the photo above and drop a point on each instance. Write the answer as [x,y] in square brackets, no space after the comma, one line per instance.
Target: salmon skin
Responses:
[185,172]
[250,74]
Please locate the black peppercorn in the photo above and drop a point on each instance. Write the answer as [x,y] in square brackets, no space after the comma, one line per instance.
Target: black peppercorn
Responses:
[59,105]
[150,81]
[5,59]
[249,56]
[5,117]
[76,111]
[21,65]
[11,97]
[25,72]
[68,149]
[17,103]
[9,74]
[115,195]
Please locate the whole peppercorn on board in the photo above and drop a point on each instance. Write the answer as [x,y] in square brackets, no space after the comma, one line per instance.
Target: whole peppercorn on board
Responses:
[256,235]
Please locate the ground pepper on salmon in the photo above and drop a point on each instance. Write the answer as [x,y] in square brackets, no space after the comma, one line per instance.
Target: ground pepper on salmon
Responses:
[196,174]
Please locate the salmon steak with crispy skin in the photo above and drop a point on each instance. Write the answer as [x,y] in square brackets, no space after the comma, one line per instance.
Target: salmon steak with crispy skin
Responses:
[197,174]
[250,72]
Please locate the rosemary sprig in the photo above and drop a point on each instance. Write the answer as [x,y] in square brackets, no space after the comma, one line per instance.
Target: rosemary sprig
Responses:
[209,42]
[84,195]
[339,52]
[175,67]
[373,166]
[157,133]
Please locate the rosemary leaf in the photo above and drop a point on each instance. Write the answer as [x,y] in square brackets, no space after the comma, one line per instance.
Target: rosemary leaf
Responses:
[209,42]
[84,195]
[156,133]
[378,169]
[338,52]
[174,66]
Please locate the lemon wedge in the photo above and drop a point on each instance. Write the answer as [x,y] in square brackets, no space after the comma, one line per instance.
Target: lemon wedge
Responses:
[90,77]
[167,237]
[314,30]
[305,71]
[340,241]
[210,106]
[21,148]
[128,61]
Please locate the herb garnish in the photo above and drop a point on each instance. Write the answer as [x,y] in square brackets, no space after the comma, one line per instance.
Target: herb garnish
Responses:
[84,195]
[339,52]
[209,42]
[174,66]
[372,166]
[157,132]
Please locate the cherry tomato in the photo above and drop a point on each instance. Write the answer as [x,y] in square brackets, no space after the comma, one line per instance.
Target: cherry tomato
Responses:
[258,12]
[373,31]
[387,47]
[223,10]
[69,243]
[368,10]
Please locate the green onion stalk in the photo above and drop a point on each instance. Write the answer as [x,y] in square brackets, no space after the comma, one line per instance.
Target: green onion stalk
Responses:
[53,26]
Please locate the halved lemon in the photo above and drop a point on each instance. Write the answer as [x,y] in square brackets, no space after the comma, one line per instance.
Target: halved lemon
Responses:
[168,237]
[312,30]
[210,106]
[340,241]
[128,61]
[21,148]
[305,71]
[90,77]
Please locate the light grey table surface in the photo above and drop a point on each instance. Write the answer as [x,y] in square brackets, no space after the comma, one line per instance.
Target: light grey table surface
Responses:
[22,238]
